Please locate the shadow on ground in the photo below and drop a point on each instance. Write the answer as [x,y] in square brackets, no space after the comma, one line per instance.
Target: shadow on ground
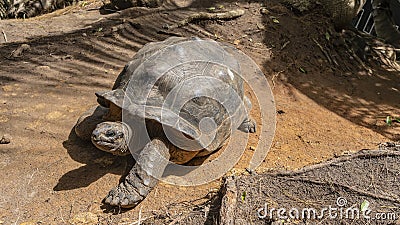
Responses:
[312,57]
[76,64]
[97,164]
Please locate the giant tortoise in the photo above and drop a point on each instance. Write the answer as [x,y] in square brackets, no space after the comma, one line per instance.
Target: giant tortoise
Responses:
[175,100]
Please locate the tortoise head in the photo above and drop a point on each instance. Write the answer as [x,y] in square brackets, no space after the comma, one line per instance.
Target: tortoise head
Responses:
[111,137]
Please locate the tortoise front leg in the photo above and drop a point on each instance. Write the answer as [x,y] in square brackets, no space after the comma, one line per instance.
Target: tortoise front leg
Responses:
[88,121]
[143,176]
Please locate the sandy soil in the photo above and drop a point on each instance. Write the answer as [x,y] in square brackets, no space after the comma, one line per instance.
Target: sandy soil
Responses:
[50,177]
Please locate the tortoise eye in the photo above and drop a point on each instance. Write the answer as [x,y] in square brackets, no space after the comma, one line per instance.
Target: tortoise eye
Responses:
[110,133]
[187,136]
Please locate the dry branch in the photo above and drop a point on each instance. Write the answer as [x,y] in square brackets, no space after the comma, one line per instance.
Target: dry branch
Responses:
[353,189]
[323,51]
[208,16]
[360,154]
[228,203]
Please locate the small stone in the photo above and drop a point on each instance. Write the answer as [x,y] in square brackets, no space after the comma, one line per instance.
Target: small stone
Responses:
[6,139]
[280,112]
[28,223]
[260,26]
[125,219]
[86,218]
[84,34]
[278,222]
[264,11]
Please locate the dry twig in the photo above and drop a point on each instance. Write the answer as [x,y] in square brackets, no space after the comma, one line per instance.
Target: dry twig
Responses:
[5,36]
[228,202]
[323,51]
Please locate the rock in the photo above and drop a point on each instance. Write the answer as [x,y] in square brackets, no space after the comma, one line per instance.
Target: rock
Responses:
[86,218]
[18,52]
[6,139]
[278,222]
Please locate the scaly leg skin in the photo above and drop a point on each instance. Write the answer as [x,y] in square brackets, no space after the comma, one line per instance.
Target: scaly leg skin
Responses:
[31,8]
[25,9]
[248,126]
[142,178]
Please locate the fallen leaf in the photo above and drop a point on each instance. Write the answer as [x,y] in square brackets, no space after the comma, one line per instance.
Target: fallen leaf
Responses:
[364,206]
[327,36]
[243,196]
[301,69]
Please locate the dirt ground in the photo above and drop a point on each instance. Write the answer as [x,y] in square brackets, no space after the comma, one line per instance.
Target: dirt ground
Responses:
[49,176]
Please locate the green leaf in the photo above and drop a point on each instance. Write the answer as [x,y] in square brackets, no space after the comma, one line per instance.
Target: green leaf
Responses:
[389,120]
[327,36]
[243,196]
[274,19]
[301,69]
[364,206]
[211,9]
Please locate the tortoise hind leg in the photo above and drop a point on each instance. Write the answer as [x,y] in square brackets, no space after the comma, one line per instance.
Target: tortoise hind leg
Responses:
[249,124]
[143,176]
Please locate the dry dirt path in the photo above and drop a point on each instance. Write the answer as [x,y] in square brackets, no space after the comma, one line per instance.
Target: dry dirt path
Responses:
[49,176]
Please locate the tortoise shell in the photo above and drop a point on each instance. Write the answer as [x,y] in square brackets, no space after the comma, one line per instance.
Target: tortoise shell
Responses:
[191,86]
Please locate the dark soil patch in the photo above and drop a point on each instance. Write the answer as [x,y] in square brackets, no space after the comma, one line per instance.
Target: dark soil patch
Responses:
[344,183]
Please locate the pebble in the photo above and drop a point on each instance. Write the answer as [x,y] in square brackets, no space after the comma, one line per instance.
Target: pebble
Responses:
[86,218]
[28,223]
[6,139]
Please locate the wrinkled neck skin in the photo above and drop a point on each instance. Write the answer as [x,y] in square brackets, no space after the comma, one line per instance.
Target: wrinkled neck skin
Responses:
[123,147]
